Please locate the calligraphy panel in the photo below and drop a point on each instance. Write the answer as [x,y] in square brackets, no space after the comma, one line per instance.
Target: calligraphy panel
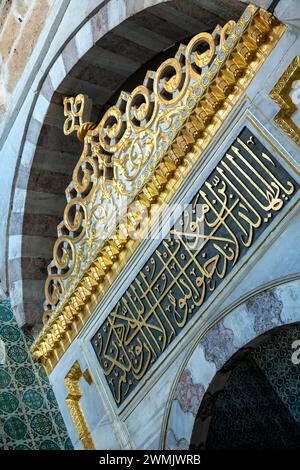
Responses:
[237,202]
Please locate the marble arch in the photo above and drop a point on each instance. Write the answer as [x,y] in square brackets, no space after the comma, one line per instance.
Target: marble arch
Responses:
[96,60]
[259,314]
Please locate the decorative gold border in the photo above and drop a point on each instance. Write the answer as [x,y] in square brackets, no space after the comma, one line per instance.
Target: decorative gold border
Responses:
[64,326]
[132,403]
[280,94]
[72,400]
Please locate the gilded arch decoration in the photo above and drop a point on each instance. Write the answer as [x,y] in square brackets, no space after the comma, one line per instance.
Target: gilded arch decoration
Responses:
[249,42]
[281,95]
[271,308]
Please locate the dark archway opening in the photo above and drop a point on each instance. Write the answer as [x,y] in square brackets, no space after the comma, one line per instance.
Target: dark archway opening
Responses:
[253,401]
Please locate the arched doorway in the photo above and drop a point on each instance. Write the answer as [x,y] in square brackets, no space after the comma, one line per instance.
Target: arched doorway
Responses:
[102,57]
[259,334]
[252,401]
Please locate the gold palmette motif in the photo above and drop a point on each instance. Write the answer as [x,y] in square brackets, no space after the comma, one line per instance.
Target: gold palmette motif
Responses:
[134,155]
[74,394]
[281,95]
